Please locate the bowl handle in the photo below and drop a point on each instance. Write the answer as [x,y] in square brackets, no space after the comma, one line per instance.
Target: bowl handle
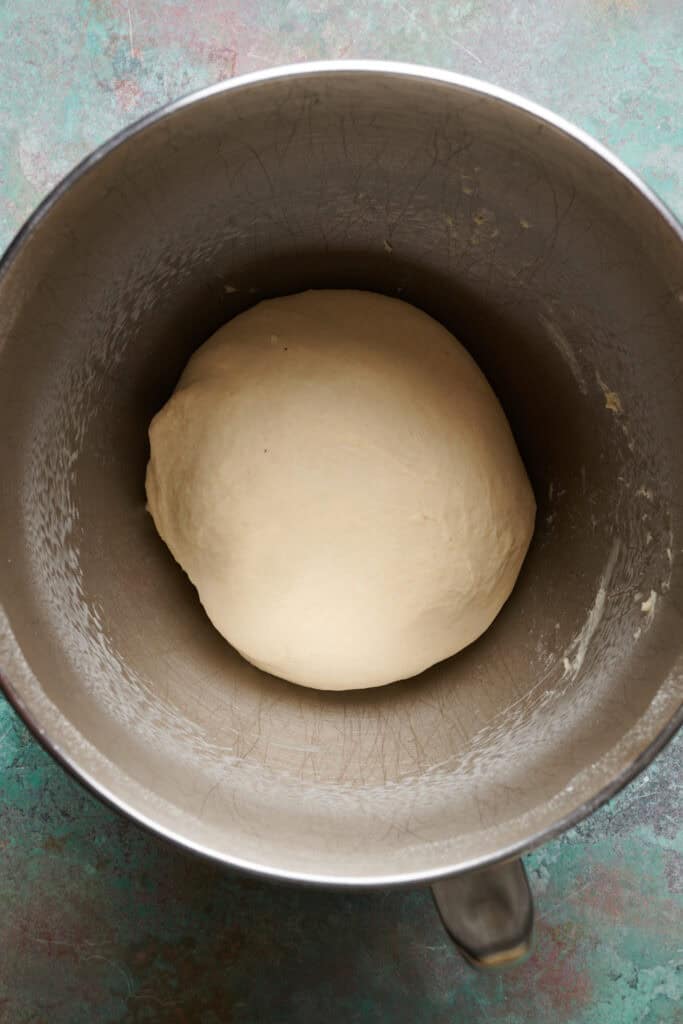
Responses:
[489,913]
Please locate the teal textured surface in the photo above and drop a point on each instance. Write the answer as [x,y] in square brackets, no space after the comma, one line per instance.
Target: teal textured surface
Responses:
[102,922]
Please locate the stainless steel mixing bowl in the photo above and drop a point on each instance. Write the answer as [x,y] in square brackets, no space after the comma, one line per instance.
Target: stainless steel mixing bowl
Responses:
[561,273]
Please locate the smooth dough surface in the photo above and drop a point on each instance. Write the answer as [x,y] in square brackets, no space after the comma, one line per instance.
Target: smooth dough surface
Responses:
[338,480]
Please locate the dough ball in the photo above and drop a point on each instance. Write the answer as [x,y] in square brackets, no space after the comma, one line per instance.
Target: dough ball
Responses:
[337,478]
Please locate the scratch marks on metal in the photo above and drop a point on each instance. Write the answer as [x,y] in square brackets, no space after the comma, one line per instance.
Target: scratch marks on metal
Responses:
[566,350]
[576,652]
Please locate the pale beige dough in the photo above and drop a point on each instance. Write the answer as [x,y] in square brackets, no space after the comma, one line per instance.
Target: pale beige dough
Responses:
[338,480]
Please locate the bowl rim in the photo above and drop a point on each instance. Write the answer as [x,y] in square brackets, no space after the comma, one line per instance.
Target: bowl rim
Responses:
[303,70]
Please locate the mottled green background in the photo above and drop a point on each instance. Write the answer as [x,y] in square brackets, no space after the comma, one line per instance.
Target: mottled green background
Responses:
[100,922]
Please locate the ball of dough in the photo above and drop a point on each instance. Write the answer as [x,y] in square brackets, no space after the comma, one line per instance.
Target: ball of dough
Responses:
[338,480]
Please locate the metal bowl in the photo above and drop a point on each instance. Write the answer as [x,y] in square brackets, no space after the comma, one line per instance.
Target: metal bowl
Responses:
[561,273]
